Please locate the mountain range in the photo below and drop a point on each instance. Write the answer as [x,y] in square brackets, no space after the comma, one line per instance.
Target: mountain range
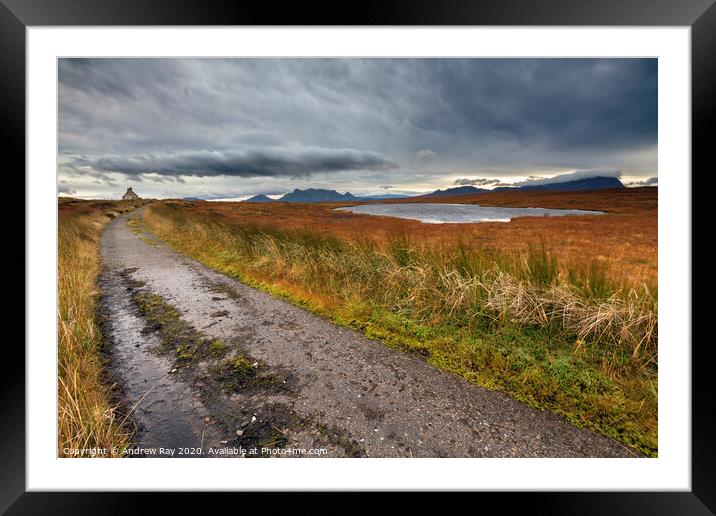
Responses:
[590,183]
[323,195]
[308,195]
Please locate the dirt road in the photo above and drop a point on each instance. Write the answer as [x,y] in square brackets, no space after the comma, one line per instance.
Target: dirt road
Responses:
[275,376]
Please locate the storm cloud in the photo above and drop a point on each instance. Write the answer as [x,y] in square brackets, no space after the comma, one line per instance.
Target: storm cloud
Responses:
[478,181]
[253,163]
[207,126]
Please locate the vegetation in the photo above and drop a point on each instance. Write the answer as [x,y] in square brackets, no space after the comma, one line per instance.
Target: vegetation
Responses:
[86,417]
[178,338]
[238,374]
[542,318]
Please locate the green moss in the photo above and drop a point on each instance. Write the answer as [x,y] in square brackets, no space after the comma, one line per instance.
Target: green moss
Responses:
[175,334]
[239,374]
[243,366]
[217,347]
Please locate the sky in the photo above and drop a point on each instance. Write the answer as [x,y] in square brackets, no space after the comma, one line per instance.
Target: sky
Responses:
[232,128]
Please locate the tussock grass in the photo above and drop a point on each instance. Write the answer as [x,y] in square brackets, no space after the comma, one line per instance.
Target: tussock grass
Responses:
[86,418]
[562,337]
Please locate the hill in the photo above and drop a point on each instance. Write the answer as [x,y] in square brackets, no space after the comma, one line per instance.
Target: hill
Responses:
[459,190]
[259,198]
[590,183]
[316,195]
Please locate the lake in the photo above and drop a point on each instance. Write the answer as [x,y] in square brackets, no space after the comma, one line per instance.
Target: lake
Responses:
[434,213]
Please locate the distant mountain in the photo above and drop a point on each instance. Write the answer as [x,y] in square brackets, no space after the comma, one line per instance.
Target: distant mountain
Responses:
[458,190]
[589,183]
[316,195]
[320,195]
[323,195]
[259,198]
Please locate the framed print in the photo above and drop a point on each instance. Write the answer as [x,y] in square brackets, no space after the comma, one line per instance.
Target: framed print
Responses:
[421,252]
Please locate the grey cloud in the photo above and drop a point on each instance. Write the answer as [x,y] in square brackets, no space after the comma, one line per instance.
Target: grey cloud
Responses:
[158,178]
[557,103]
[254,163]
[651,181]
[479,181]
[386,105]
[64,188]
[71,168]
[425,155]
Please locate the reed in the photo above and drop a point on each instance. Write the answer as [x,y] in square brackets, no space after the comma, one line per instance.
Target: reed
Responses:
[86,417]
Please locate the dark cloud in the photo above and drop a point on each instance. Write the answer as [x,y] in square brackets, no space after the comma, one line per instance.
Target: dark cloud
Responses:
[158,178]
[70,169]
[558,103]
[255,163]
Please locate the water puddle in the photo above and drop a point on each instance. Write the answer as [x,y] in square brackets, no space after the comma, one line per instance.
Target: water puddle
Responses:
[434,213]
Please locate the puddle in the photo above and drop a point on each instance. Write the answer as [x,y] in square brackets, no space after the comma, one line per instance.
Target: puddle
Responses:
[434,213]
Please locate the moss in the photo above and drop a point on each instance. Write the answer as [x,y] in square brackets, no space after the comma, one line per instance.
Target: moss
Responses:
[241,375]
[175,334]
[217,347]
[243,366]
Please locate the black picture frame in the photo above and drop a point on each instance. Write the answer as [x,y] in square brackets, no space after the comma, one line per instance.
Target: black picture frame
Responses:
[17,15]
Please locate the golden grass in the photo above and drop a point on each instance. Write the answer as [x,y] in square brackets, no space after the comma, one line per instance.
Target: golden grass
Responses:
[624,243]
[86,418]
[629,323]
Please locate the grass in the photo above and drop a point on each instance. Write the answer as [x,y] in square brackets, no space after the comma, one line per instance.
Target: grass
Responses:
[575,336]
[86,416]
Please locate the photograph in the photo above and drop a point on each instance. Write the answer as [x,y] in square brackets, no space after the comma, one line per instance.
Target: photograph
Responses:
[357,257]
